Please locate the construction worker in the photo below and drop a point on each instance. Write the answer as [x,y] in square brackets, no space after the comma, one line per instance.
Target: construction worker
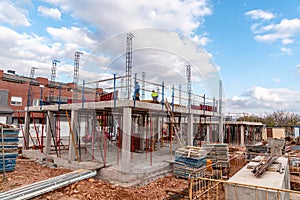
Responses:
[154,95]
[136,95]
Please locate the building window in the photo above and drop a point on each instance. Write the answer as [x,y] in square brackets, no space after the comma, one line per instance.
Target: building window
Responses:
[36,102]
[16,101]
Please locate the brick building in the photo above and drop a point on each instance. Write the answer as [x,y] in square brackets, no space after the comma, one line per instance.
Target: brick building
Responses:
[15,95]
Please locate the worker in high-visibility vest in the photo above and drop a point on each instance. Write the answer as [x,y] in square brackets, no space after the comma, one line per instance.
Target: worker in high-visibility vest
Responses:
[154,95]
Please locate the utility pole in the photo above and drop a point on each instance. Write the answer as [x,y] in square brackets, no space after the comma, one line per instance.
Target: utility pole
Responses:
[129,63]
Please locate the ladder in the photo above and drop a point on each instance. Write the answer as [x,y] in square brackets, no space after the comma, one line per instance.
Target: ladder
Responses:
[173,122]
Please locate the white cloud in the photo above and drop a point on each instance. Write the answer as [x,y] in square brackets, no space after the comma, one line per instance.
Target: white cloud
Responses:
[13,15]
[287,41]
[264,94]
[277,80]
[259,99]
[76,36]
[203,41]
[182,16]
[285,50]
[283,31]
[23,51]
[49,12]
[260,14]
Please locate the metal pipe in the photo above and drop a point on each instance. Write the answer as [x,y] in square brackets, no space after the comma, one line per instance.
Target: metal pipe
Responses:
[38,188]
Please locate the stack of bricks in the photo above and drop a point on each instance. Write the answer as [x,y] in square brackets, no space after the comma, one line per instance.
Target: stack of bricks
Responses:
[217,152]
[188,159]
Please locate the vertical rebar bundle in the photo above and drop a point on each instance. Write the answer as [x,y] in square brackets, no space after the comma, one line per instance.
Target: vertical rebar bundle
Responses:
[29,99]
[143,85]
[52,80]
[220,112]
[76,73]
[129,63]
[189,85]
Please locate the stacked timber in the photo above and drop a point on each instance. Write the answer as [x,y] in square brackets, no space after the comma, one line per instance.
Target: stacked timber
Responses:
[217,152]
[188,159]
[9,147]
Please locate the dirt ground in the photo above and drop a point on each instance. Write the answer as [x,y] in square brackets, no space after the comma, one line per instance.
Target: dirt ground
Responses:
[28,171]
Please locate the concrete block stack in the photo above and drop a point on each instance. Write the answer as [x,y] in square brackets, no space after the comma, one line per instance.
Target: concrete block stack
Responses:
[188,159]
[217,152]
[9,148]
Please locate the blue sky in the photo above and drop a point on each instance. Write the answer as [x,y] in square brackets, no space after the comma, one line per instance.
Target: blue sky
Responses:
[253,43]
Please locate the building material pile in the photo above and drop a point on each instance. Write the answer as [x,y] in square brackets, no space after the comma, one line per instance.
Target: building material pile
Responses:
[253,150]
[263,166]
[217,153]
[188,159]
[9,148]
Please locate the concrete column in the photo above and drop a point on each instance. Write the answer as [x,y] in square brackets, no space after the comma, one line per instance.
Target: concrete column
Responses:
[49,126]
[242,136]
[26,130]
[126,140]
[74,124]
[208,133]
[142,133]
[158,131]
[190,130]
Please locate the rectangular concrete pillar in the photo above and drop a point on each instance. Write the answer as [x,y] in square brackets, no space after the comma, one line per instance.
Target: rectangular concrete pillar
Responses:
[74,124]
[208,133]
[49,126]
[126,139]
[190,129]
[142,133]
[242,135]
[26,130]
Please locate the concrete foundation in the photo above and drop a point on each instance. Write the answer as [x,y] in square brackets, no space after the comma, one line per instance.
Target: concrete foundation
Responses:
[270,179]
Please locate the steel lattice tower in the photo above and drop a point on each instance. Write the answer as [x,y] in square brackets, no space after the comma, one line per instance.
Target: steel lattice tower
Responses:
[76,67]
[220,111]
[129,63]
[143,85]
[189,85]
[30,95]
[76,73]
[53,76]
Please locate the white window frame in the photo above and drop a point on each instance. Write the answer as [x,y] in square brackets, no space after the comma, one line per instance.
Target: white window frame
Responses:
[16,101]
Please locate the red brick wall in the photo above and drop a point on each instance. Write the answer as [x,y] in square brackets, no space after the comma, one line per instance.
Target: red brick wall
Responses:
[21,90]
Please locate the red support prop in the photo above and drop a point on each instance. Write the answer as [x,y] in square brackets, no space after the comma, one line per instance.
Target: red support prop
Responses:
[151,141]
[58,142]
[132,140]
[42,137]
[20,123]
[119,140]
[36,131]
[147,141]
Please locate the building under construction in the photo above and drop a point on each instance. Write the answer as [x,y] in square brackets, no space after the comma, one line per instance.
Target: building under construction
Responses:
[116,127]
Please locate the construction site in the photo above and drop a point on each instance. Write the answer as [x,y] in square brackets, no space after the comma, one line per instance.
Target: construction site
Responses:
[126,137]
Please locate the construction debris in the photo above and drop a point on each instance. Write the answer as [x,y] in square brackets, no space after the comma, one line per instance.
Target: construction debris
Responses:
[263,166]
